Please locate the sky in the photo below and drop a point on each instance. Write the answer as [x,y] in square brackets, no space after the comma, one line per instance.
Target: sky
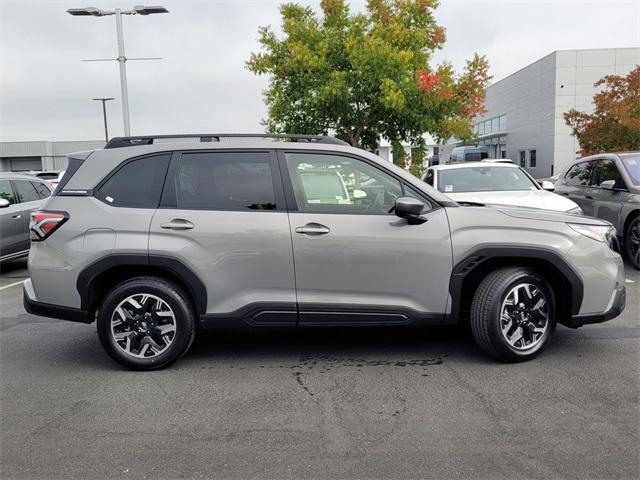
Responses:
[201,84]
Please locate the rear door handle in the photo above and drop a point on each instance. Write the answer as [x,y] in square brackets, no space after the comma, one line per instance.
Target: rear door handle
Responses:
[178,224]
[16,216]
[313,229]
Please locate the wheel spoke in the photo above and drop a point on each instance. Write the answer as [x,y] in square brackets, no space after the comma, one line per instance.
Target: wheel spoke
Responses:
[524,318]
[517,335]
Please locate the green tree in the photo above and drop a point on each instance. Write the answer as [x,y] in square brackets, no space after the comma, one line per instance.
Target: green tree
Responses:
[614,124]
[366,75]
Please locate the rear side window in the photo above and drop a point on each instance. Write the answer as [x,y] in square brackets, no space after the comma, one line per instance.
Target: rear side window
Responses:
[41,188]
[225,181]
[137,184]
[578,175]
[25,190]
[6,191]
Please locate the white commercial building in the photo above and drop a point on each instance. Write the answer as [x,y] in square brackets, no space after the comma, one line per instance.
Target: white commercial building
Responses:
[24,156]
[524,119]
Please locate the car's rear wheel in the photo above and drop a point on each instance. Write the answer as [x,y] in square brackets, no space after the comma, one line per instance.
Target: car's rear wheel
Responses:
[146,323]
[632,242]
[513,314]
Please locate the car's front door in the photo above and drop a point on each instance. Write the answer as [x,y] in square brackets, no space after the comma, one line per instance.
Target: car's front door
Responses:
[355,261]
[575,185]
[223,215]
[11,224]
[608,201]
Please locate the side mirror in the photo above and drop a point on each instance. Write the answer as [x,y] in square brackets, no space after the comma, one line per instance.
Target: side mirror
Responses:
[608,184]
[410,209]
[547,185]
[4,203]
[359,194]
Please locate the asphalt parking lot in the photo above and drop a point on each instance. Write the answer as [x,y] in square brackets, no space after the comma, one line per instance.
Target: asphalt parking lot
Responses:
[319,404]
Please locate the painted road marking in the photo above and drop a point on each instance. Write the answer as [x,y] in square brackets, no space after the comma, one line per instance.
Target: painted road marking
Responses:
[12,285]
[628,281]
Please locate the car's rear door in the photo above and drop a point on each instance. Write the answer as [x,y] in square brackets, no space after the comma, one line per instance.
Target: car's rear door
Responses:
[575,185]
[356,262]
[223,215]
[30,200]
[608,202]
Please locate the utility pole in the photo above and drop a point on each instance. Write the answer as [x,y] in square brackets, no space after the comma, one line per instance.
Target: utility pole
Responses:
[122,59]
[104,115]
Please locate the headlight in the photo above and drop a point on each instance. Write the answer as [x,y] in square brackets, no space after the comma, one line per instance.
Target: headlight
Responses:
[599,233]
[575,211]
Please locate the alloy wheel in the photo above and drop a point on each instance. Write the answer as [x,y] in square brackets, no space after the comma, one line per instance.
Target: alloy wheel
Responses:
[524,316]
[143,325]
[634,243]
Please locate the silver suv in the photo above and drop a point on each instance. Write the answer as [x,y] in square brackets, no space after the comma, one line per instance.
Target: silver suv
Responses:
[156,238]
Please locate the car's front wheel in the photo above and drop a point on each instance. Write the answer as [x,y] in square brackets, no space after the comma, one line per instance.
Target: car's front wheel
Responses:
[632,242]
[513,314]
[146,323]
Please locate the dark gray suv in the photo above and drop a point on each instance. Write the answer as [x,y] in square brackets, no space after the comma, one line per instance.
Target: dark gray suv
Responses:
[608,186]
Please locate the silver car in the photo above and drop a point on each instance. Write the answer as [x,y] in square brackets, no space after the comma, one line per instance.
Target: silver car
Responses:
[155,238]
[19,196]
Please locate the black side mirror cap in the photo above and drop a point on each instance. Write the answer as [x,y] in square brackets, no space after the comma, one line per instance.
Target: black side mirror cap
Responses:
[410,209]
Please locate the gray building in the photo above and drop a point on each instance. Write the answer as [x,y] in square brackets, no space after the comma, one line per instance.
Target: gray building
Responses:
[524,118]
[24,156]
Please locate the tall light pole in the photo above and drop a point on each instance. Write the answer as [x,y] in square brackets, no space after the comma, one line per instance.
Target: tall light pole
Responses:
[104,115]
[122,59]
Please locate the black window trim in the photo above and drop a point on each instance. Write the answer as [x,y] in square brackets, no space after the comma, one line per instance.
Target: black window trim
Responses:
[564,177]
[291,198]
[94,191]
[169,199]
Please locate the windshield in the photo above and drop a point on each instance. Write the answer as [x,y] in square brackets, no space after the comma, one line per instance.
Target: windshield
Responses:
[484,179]
[632,166]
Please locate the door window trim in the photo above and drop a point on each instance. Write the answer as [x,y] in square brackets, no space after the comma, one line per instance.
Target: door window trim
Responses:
[290,194]
[169,198]
[564,177]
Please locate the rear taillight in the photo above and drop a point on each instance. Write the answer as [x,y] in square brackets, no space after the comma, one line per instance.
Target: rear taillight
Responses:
[44,223]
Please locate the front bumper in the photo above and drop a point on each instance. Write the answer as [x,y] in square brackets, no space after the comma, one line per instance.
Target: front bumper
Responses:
[53,311]
[616,307]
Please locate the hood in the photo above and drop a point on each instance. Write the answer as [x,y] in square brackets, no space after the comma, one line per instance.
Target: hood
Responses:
[523,198]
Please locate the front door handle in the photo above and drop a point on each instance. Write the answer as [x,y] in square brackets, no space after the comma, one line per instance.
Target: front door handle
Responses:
[313,229]
[178,224]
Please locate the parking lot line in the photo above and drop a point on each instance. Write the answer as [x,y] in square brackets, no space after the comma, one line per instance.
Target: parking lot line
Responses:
[12,285]
[628,281]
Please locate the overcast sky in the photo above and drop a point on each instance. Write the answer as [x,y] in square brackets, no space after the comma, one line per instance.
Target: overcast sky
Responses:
[201,84]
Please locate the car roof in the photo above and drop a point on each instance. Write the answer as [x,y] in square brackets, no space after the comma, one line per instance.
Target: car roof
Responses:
[454,166]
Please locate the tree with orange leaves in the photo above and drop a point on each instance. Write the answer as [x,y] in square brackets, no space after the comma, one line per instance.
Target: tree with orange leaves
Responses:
[614,124]
[367,75]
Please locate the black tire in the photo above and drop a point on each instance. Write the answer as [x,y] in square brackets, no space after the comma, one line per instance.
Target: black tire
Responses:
[632,242]
[183,317]
[486,312]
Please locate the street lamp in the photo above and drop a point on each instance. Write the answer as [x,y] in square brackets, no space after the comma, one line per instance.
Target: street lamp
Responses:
[104,115]
[122,59]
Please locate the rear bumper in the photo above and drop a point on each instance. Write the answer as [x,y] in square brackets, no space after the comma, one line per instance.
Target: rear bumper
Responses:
[53,311]
[619,300]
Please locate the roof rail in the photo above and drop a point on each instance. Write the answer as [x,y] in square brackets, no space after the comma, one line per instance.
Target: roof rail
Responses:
[118,142]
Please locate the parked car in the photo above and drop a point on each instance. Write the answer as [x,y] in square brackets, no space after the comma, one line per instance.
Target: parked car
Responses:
[501,183]
[608,186]
[19,196]
[53,177]
[158,240]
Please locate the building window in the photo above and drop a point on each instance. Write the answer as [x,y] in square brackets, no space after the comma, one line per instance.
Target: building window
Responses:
[522,155]
[503,123]
[532,159]
[436,150]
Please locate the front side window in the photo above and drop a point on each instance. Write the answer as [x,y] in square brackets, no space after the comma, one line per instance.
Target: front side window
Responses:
[336,184]
[25,191]
[225,181]
[605,170]
[6,191]
[137,184]
[578,175]
[483,179]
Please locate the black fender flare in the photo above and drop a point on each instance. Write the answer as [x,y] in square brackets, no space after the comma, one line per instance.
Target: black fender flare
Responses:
[479,255]
[172,265]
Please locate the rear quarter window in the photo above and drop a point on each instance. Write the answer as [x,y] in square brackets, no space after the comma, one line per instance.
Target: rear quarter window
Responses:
[136,184]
